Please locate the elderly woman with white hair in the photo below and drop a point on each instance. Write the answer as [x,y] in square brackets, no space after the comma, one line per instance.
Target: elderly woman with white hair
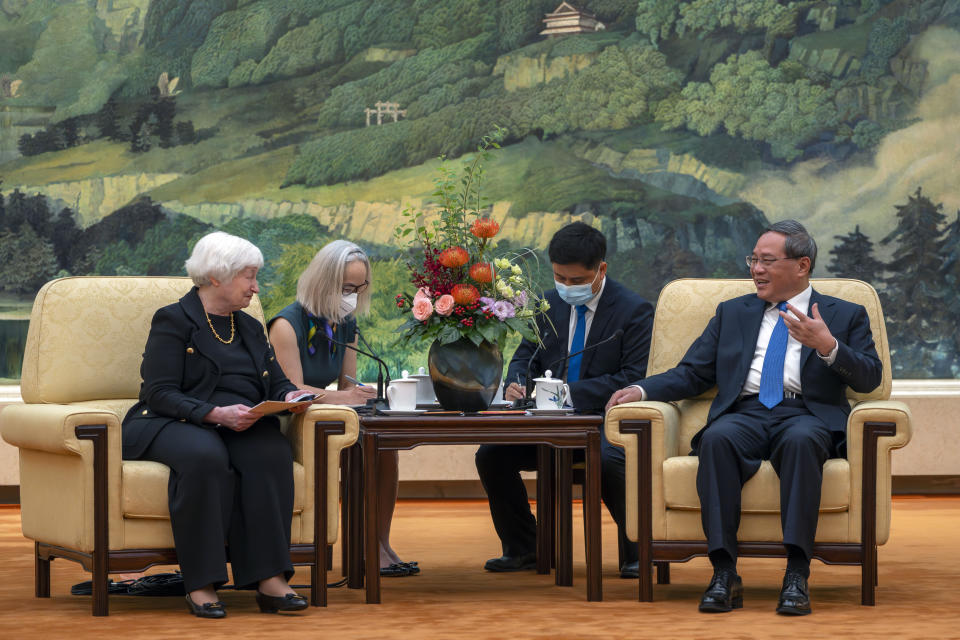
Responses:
[231,470]
[308,336]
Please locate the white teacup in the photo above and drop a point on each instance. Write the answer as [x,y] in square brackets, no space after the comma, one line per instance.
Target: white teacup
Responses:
[551,393]
[402,394]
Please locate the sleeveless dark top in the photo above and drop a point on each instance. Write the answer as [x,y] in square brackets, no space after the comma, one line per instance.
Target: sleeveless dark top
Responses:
[323,366]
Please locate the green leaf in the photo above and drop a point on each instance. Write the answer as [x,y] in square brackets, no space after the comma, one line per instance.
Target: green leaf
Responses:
[490,331]
[449,334]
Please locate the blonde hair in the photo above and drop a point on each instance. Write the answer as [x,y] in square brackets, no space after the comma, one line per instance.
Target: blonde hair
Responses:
[221,256]
[321,283]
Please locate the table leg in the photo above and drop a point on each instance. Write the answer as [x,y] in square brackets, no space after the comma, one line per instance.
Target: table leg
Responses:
[353,537]
[564,575]
[545,508]
[591,516]
[370,483]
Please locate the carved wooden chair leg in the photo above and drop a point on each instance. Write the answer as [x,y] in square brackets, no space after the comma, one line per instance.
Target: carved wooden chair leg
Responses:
[41,579]
[663,572]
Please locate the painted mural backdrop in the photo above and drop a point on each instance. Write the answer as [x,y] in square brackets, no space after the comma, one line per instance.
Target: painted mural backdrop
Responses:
[128,128]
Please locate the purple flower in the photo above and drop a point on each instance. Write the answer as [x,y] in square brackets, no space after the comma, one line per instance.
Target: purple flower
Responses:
[487,304]
[503,309]
[520,299]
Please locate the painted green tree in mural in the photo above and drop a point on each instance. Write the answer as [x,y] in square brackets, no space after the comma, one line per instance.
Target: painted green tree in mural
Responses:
[917,292]
[853,258]
[750,99]
[949,254]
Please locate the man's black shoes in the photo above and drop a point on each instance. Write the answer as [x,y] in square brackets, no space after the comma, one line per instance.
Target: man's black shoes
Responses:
[794,596]
[512,563]
[724,593]
[630,570]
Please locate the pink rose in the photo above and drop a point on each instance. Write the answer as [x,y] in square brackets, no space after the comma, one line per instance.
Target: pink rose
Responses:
[422,292]
[445,304]
[422,309]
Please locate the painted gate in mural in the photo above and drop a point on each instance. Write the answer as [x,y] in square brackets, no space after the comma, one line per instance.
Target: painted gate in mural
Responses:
[128,128]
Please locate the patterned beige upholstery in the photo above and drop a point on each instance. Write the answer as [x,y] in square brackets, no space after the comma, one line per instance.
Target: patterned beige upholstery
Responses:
[82,367]
[683,310]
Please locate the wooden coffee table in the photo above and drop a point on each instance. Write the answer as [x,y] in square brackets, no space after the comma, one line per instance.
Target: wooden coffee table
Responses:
[563,433]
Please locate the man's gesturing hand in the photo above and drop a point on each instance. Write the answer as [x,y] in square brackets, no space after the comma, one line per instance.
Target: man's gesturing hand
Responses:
[810,331]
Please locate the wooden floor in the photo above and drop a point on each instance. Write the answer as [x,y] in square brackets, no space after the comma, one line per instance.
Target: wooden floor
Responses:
[454,598]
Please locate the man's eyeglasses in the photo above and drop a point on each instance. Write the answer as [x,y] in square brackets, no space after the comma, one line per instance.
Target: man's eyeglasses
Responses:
[358,288]
[766,262]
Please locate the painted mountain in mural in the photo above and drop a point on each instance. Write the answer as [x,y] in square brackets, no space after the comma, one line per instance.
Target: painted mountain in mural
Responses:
[678,127]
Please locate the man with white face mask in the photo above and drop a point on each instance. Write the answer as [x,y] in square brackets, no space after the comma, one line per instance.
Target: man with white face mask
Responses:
[586,309]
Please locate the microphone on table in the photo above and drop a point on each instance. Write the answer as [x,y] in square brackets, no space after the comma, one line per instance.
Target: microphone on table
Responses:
[526,401]
[616,335]
[380,402]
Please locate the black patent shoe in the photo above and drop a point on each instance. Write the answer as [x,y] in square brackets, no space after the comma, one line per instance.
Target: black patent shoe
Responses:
[504,564]
[274,604]
[396,570]
[630,570]
[412,567]
[207,609]
[724,593]
[794,595]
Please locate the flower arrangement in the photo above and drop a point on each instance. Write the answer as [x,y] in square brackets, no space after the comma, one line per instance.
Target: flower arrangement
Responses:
[463,291]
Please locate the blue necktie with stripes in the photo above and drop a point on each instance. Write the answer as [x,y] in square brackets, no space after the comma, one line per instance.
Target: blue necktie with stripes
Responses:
[771,376]
[579,335]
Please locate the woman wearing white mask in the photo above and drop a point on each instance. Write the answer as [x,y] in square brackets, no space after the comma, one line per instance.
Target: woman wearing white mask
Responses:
[331,292]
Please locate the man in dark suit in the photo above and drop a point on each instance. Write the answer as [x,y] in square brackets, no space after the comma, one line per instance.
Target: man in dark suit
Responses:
[776,399]
[586,308]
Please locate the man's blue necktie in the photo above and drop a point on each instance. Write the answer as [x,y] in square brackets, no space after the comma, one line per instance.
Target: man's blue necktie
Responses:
[579,335]
[771,376]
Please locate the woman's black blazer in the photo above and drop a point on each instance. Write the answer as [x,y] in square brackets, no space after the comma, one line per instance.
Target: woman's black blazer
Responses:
[179,373]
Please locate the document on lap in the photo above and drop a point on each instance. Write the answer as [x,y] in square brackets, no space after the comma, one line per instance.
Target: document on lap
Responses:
[276,406]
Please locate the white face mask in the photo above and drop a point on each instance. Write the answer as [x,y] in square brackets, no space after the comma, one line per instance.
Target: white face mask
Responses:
[348,303]
[576,294]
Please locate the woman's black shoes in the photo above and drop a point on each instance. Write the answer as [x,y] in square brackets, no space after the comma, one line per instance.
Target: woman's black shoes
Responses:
[400,570]
[288,602]
[207,609]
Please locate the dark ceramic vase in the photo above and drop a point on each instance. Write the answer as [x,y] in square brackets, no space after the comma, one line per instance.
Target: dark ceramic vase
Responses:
[465,376]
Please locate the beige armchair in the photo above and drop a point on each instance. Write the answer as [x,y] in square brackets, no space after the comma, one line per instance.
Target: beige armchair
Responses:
[663,509]
[79,500]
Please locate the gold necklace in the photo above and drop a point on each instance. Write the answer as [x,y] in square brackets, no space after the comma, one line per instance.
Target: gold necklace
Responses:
[217,335]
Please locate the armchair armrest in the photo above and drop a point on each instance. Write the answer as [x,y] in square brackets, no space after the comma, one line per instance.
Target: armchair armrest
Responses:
[664,435]
[302,435]
[888,423]
[64,500]
[51,428]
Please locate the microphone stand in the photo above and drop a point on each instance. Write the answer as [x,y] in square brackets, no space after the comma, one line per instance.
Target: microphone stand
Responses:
[563,360]
[526,401]
[381,368]
[380,402]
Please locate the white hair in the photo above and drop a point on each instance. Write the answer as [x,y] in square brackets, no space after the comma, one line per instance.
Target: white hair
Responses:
[321,283]
[221,256]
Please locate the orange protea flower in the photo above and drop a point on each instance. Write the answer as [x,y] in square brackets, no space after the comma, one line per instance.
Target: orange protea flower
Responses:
[482,272]
[465,294]
[484,227]
[453,257]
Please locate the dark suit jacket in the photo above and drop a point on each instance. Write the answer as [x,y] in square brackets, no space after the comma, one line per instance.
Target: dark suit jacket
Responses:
[602,370]
[722,355]
[179,375]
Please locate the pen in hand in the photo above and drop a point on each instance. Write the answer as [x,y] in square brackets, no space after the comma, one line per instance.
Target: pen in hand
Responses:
[354,381]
